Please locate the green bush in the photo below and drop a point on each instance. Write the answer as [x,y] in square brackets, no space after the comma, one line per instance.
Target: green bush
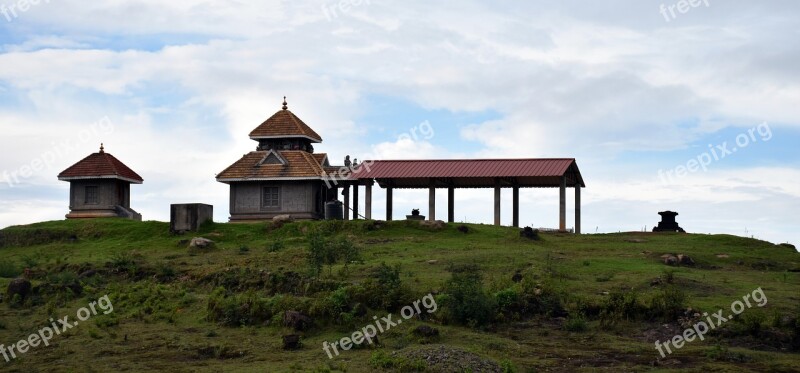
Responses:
[276,246]
[9,270]
[327,252]
[669,303]
[576,324]
[467,303]
[239,309]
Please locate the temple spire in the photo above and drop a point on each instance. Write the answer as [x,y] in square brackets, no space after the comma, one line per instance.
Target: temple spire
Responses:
[285,105]
[102,149]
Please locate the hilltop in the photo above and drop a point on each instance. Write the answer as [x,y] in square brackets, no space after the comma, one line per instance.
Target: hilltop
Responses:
[559,303]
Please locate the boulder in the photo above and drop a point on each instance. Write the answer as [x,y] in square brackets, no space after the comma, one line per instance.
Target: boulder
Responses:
[517,277]
[435,224]
[297,321]
[671,260]
[463,229]
[685,260]
[283,219]
[19,286]
[292,342]
[201,243]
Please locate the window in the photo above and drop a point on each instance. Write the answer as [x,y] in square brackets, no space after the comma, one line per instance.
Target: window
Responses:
[91,195]
[271,197]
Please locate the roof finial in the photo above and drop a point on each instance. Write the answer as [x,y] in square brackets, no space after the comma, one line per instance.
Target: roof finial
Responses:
[102,149]
[285,105]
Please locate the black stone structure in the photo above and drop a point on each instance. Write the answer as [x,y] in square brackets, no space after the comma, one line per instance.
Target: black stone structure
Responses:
[668,223]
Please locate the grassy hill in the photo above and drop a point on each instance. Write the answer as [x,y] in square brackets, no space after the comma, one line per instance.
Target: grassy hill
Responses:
[560,303]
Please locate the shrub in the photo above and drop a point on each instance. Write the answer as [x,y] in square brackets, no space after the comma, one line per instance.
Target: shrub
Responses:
[237,310]
[276,246]
[325,252]
[576,324]
[669,303]
[9,270]
[467,303]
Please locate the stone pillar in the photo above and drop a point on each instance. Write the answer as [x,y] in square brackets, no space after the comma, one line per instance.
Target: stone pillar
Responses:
[451,205]
[432,202]
[346,192]
[516,206]
[368,201]
[562,206]
[355,201]
[497,191]
[389,203]
[578,208]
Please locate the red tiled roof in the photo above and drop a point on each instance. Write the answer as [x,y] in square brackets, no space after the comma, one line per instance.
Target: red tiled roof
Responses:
[284,124]
[531,172]
[299,165]
[321,158]
[100,165]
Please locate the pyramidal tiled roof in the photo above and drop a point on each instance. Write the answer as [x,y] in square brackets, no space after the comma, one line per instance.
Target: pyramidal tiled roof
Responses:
[100,165]
[284,124]
[299,165]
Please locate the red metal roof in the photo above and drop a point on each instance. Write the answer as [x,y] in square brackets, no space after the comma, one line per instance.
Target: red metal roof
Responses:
[529,172]
[100,165]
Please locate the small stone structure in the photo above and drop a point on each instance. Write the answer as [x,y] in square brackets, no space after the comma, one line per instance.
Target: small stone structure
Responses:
[415,215]
[189,217]
[668,223]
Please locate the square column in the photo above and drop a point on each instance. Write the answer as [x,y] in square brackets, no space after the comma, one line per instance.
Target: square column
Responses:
[346,192]
[355,201]
[497,191]
[368,201]
[516,206]
[451,208]
[578,208]
[432,202]
[562,206]
[389,203]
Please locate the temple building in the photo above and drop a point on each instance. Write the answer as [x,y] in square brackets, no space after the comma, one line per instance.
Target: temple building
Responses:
[283,176]
[100,187]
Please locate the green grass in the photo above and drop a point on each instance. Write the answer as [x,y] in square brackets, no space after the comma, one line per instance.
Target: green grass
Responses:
[160,292]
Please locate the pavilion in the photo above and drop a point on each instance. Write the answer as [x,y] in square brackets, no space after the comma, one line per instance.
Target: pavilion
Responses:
[559,173]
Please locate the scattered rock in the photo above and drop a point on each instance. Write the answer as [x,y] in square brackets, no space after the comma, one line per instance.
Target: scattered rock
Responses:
[723,256]
[292,342]
[433,262]
[671,260]
[685,260]
[201,243]
[425,331]
[463,229]
[297,321]
[183,243]
[283,219]
[435,225]
[517,277]
[635,240]
[441,358]
[19,286]
[529,233]
[656,281]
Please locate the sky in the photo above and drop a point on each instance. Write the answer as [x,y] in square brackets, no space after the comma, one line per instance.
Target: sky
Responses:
[689,106]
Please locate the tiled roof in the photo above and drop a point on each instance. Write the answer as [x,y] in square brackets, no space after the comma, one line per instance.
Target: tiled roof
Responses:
[321,158]
[300,165]
[102,166]
[284,124]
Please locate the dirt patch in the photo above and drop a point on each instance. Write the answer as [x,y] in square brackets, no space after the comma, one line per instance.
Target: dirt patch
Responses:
[440,358]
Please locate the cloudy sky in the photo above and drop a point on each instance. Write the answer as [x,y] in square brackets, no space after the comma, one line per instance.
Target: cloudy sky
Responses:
[641,92]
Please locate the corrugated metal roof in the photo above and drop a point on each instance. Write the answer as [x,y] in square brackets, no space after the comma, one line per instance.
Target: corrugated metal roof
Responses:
[539,171]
